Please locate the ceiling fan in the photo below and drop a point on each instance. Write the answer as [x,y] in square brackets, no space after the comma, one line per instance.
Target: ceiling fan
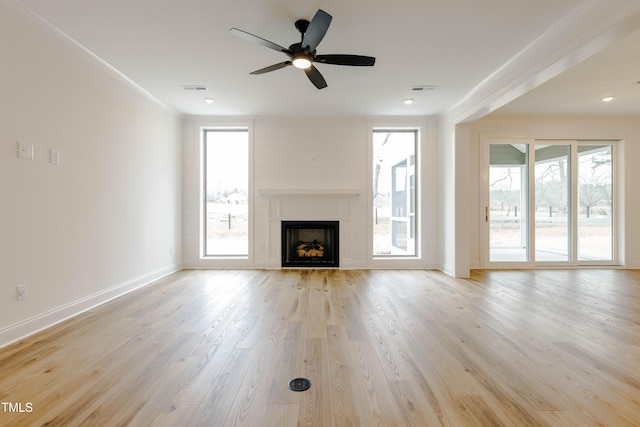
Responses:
[302,55]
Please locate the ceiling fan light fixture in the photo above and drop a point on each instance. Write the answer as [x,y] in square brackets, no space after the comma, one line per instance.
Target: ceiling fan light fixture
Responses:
[303,62]
[608,98]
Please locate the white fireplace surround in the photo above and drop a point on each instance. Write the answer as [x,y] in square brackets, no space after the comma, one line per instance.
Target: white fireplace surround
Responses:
[310,204]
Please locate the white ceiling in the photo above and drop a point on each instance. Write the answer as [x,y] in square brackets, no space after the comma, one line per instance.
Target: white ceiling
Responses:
[456,45]
[614,71]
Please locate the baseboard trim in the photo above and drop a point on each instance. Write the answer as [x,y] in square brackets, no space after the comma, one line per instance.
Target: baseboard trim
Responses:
[18,331]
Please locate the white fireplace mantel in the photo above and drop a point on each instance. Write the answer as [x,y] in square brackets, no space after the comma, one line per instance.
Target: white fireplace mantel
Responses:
[308,204]
[281,193]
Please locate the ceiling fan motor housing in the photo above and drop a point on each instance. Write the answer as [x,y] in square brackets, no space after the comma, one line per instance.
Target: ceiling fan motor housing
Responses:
[296,50]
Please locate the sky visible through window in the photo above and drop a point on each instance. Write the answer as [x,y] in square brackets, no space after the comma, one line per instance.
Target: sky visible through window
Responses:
[226,192]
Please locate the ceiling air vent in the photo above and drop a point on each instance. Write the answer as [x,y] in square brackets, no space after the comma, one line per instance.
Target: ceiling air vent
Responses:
[194,87]
[424,88]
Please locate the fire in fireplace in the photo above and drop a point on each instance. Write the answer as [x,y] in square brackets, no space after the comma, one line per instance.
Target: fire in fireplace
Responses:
[310,243]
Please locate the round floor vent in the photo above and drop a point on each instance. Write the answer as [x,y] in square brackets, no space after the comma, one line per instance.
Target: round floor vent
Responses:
[299,384]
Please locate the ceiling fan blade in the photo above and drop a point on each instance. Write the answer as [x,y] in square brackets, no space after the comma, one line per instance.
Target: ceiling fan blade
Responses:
[317,29]
[354,60]
[315,77]
[272,67]
[259,40]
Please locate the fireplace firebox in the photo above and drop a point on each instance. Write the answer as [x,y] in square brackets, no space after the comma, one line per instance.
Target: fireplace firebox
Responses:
[310,244]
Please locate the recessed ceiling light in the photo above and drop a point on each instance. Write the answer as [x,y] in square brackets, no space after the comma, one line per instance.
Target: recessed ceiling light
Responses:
[408,101]
[208,100]
[608,98]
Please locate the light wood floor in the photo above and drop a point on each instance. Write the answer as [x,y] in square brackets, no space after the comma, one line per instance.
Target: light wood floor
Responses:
[381,348]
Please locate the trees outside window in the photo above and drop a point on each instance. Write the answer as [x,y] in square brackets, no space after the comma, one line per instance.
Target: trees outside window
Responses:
[559,200]
[226,192]
[394,192]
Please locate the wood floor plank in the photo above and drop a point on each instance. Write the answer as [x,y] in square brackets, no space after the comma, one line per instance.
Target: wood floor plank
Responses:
[384,410]
[316,320]
[413,406]
[289,365]
[356,327]
[384,346]
[348,394]
[280,415]
[174,414]
[247,409]
[315,403]
[215,407]
[381,348]
[348,422]
[205,367]
[481,413]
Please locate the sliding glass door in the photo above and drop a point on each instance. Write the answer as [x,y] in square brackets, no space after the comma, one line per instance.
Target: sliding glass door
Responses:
[595,203]
[549,203]
[552,202]
[507,210]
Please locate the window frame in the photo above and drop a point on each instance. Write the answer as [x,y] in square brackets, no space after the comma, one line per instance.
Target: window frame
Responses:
[574,260]
[414,213]
[203,193]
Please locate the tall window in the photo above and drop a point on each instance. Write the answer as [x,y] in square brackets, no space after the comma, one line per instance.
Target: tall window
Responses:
[226,192]
[394,192]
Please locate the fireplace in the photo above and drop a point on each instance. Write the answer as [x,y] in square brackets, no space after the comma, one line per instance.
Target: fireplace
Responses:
[310,243]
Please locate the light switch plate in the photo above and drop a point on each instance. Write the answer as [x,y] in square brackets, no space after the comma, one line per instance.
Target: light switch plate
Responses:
[25,151]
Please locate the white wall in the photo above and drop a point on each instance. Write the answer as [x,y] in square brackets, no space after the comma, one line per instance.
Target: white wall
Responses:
[453,202]
[625,129]
[315,154]
[107,218]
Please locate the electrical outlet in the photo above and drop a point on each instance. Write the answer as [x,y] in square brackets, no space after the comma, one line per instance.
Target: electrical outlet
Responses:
[54,157]
[22,292]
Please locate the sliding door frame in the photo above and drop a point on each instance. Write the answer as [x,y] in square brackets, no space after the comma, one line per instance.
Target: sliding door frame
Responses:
[531,262]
